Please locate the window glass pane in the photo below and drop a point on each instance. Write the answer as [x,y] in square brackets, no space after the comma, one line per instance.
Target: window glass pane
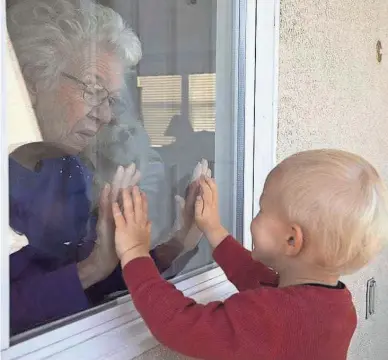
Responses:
[124,92]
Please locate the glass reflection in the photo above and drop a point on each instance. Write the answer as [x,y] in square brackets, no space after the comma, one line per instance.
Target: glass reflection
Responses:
[79,62]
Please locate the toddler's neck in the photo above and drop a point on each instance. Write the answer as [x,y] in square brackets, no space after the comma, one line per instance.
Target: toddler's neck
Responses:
[291,277]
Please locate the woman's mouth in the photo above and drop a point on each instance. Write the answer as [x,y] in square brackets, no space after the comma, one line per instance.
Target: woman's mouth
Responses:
[89,133]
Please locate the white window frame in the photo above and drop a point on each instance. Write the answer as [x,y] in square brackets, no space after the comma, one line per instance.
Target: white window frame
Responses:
[118,332]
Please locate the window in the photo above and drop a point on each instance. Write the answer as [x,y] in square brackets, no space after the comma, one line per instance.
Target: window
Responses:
[98,102]
[162,118]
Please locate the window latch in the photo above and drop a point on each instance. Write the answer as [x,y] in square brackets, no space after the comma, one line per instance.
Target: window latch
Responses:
[370,298]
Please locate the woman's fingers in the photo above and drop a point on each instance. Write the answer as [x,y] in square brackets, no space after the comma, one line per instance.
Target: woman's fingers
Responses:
[197,172]
[201,169]
[192,193]
[117,182]
[135,178]
[104,200]
[204,167]
[127,179]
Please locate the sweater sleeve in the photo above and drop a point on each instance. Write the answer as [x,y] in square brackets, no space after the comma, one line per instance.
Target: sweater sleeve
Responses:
[218,330]
[242,271]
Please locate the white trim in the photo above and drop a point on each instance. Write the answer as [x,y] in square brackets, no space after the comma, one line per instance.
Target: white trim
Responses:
[4,245]
[94,329]
[250,69]
[266,97]
[225,83]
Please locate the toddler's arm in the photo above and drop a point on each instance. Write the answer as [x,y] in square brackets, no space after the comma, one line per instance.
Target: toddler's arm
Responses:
[236,261]
[241,270]
[218,330]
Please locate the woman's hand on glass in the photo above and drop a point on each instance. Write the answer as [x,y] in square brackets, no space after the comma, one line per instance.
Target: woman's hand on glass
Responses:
[103,259]
[124,179]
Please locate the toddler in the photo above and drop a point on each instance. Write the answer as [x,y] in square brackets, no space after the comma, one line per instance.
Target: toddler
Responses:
[323,214]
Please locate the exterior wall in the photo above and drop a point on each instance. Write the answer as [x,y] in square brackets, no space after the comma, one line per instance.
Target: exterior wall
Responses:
[333,93]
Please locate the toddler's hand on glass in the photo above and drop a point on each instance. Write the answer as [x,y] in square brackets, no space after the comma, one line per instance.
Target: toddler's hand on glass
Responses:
[206,212]
[133,229]
[189,234]
[104,250]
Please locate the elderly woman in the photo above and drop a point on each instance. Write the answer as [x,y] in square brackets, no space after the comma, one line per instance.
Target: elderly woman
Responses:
[73,61]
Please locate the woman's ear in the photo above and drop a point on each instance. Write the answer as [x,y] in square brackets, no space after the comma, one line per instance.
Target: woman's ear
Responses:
[295,241]
[30,84]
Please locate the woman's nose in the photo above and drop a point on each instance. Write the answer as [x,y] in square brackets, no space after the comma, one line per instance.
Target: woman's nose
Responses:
[103,112]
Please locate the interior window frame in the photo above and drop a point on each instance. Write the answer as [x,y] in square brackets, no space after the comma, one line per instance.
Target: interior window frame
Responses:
[255,63]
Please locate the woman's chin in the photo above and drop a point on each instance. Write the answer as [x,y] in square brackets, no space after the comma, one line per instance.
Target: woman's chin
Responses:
[77,145]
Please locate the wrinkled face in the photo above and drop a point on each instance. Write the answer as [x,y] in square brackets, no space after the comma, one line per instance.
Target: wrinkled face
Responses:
[65,118]
[269,231]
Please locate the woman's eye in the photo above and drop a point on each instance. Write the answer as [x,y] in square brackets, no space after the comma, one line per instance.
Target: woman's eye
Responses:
[114,122]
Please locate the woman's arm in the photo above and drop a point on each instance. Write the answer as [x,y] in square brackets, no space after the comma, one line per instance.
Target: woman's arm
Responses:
[167,253]
[39,296]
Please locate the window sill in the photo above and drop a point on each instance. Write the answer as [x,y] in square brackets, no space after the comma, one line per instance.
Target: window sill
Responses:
[115,333]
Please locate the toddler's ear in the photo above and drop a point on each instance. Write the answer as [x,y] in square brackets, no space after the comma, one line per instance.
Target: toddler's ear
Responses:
[295,241]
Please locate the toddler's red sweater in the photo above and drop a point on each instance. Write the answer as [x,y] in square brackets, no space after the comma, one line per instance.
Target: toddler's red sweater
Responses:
[262,321]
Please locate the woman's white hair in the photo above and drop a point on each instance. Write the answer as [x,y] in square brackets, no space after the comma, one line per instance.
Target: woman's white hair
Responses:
[47,33]
[340,202]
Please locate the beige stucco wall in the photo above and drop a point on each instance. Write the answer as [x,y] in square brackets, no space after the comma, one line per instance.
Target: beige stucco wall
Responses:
[333,93]
[332,90]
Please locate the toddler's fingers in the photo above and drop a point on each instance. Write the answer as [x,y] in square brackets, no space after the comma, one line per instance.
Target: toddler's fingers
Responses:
[149,226]
[207,195]
[118,216]
[128,204]
[199,207]
[145,206]
[137,204]
[212,185]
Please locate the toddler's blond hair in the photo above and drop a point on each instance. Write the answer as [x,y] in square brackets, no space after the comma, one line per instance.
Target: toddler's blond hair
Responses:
[340,201]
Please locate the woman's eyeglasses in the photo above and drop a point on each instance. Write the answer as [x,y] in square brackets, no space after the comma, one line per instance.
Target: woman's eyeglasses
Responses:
[95,95]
